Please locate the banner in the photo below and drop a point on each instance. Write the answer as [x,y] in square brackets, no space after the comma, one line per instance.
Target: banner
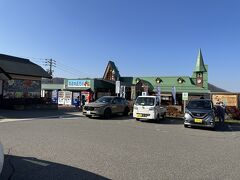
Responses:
[159,93]
[174,95]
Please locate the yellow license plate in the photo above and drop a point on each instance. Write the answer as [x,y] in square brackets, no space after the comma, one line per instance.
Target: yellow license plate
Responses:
[198,120]
[139,115]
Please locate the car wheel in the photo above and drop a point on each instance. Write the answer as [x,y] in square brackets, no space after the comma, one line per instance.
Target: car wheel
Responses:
[186,126]
[137,119]
[126,111]
[213,128]
[107,113]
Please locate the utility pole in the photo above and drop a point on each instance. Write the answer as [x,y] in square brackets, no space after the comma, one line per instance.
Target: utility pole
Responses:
[51,63]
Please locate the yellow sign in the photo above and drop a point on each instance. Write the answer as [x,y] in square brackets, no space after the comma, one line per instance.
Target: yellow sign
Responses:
[228,100]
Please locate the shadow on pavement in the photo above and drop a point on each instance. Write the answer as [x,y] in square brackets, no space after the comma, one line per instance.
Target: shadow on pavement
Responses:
[114,117]
[227,127]
[26,168]
[221,128]
[170,121]
[24,114]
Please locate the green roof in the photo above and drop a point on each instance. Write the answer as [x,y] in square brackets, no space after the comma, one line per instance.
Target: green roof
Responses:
[167,83]
[200,67]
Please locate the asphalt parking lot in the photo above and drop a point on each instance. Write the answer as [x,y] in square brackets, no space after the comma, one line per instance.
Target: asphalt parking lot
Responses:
[76,147]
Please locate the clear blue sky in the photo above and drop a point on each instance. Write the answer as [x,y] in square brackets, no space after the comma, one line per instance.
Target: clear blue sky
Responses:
[143,38]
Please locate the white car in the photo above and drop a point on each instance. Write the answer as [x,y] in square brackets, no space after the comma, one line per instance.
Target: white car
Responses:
[148,107]
[1,157]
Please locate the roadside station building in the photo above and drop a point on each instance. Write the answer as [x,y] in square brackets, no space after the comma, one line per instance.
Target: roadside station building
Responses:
[20,82]
[196,85]
[171,88]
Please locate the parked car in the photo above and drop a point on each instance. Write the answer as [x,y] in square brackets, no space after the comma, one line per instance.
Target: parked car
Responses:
[148,107]
[1,157]
[200,112]
[106,106]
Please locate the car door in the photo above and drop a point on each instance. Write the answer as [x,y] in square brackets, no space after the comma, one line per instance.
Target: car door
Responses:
[114,106]
[121,105]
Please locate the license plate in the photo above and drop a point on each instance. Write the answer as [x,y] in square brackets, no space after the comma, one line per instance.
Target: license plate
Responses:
[88,112]
[198,120]
[139,115]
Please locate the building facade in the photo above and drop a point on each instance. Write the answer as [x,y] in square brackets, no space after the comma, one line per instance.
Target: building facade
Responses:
[20,81]
[170,88]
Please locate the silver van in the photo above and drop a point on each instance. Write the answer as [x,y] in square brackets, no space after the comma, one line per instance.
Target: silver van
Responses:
[200,112]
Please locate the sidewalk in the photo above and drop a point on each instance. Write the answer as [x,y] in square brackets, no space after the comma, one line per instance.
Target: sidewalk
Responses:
[35,114]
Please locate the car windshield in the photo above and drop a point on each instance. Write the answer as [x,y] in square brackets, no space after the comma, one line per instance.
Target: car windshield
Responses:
[145,101]
[199,105]
[104,100]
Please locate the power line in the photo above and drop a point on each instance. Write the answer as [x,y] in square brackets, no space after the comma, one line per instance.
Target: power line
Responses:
[67,71]
[51,63]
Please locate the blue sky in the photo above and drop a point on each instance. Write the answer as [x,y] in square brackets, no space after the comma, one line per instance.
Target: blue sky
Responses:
[143,38]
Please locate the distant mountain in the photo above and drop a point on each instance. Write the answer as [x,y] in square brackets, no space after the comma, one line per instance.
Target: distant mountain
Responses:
[55,80]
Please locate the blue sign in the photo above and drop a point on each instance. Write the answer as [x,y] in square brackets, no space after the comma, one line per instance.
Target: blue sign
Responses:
[55,96]
[78,83]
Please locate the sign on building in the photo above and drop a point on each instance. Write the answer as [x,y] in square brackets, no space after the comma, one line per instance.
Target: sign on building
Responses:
[117,89]
[78,83]
[228,100]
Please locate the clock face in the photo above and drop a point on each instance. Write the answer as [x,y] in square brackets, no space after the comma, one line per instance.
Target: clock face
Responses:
[199,81]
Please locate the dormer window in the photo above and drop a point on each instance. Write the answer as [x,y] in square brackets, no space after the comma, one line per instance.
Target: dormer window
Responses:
[158,80]
[137,80]
[180,80]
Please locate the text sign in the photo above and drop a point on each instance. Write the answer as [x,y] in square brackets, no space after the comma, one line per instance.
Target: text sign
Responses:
[117,87]
[184,96]
[78,83]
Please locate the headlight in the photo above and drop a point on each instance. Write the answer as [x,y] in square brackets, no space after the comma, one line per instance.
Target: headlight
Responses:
[187,116]
[188,113]
[96,108]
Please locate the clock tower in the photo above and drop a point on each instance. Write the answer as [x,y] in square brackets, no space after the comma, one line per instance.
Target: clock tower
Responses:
[199,70]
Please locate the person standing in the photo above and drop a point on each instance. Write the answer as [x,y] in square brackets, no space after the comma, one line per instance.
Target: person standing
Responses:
[83,100]
[223,111]
[77,103]
[220,107]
